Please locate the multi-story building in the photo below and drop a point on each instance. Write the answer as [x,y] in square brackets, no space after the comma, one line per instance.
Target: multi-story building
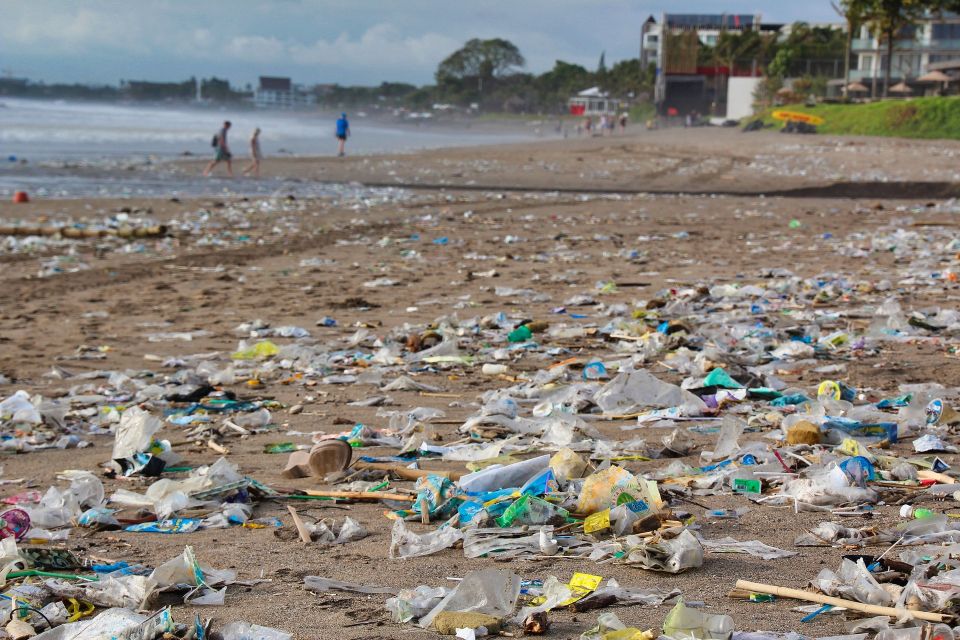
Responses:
[681,85]
[281,93]
[929,44]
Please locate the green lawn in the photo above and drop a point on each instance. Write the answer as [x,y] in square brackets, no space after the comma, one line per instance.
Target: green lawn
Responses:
[914,118]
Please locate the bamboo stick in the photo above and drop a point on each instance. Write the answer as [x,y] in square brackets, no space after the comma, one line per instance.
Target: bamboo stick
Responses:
[360,495]
[798,594]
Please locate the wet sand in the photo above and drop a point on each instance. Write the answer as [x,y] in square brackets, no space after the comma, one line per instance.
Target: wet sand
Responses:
[295,261]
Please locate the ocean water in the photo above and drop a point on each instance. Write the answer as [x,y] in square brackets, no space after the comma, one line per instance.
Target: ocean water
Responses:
[71,149]
[40,130]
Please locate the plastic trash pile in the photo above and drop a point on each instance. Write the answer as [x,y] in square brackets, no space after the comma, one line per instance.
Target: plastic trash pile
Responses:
[607,433]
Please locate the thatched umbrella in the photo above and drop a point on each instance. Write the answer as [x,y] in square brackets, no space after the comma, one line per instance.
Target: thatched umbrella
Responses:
[934,76]
[902,88]
[856,87]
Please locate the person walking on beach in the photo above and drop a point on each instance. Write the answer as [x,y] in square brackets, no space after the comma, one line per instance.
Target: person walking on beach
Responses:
[223,151]
[343,132]
[255,155]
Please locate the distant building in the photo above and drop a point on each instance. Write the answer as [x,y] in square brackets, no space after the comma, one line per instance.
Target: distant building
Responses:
[281,93]
[593,102]
[682,86]
[932,44]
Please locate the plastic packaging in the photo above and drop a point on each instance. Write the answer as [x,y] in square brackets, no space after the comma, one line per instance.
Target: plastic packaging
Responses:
[498,476]
[407,544]
[248,631]
[567,464]
[675,555]
[411,604]
[909,511]
[684,622]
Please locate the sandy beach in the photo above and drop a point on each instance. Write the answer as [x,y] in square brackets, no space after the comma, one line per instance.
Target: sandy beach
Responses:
[461,233]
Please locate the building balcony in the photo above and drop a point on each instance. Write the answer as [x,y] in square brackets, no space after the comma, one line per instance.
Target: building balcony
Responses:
[868,45]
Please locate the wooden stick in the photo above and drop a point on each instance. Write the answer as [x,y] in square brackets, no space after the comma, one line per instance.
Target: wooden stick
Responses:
[360,495]
[405,472]
[298,523]
[797,594]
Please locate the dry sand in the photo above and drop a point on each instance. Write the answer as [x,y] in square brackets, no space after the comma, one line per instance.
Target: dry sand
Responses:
[189,286]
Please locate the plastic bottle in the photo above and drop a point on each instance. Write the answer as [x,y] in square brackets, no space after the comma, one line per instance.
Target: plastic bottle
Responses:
[490,369]
[909,511]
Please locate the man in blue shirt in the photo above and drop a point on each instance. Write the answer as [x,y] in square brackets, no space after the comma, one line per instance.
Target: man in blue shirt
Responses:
[343,132]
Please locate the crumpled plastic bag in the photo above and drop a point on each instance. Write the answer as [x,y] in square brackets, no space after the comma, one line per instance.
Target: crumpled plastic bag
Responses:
[670,556]
[490,591]
[554,593]
[412,604]
[609,627]
[632,391]
[113,623]
[754,548]
[122,591]
[407,544]
[134,433]
[18,409]
[853,582]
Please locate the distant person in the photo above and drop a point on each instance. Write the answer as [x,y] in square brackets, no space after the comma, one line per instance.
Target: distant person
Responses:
[255,155]
[343,132]
[588,125]
[223,151]
[623,122]
[603,125]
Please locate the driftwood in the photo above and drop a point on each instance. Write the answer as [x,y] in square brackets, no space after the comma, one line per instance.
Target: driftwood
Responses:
[73,232]
[853,605]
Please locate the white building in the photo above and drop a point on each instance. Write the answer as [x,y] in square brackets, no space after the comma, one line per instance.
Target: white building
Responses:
[281,93]
[933,41]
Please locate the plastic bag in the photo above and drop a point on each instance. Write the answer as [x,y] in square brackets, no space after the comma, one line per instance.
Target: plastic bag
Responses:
[566,464]
[320,584]
[247,631]
[631,391]
[528,510]
[730,431]
[407,544]
[414,603]
[670,556]
[490,591]
[18,409]
[497,477]
[853,582]
[607,488]
[134,433]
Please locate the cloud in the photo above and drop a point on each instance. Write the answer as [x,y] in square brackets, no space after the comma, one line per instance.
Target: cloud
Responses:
[381,44]
[323,40]
[257,48]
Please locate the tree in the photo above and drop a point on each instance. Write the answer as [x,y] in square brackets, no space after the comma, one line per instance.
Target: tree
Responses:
[480,60]
[602,66]
[853,12]
[888,18]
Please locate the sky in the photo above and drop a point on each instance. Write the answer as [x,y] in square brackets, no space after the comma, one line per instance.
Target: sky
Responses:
[349,42]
